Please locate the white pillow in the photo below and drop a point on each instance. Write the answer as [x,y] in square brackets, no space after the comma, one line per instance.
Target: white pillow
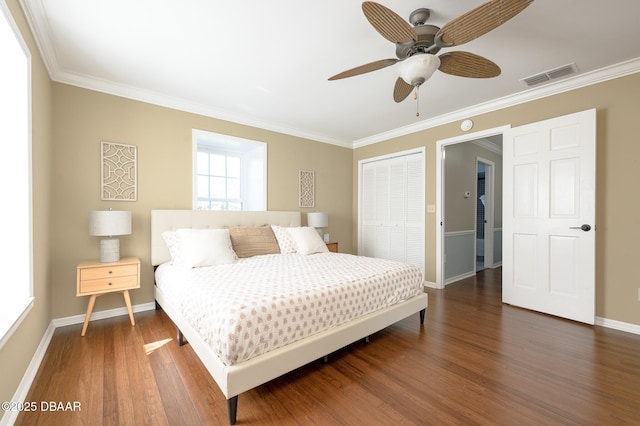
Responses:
[307,240]
[171,241]
[286,243]
[204,247]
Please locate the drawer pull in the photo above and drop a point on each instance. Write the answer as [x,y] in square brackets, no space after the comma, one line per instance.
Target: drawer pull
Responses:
[111,272]
[110,283]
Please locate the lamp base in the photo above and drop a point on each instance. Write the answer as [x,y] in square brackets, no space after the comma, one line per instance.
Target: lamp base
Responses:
[109,250]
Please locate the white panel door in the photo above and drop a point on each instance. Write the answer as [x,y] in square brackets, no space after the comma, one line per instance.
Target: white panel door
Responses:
[549,216]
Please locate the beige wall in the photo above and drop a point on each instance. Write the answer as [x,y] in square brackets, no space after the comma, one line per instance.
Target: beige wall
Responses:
[83,118]
[617,176]
[18,351]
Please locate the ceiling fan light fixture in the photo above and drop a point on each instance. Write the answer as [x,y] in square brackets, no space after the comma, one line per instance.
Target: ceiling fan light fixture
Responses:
[417,69]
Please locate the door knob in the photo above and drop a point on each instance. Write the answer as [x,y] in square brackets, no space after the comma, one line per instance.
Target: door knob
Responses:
[585,227]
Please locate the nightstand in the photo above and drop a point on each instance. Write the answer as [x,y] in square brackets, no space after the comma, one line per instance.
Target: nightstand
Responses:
[95,278]
[332,246]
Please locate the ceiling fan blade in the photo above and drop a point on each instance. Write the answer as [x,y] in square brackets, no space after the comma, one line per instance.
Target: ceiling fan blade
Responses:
[465,64]
[401,90]
[388,23]
[479,21]
[362,69]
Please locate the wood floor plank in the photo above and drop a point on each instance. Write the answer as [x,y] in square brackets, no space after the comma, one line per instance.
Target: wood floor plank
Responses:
[475,361]
[144,391]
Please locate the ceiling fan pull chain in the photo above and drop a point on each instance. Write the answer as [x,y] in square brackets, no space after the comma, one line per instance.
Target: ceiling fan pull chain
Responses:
[416,97]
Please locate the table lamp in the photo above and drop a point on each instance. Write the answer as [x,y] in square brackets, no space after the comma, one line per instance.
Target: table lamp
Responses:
[107,223]
[318,220]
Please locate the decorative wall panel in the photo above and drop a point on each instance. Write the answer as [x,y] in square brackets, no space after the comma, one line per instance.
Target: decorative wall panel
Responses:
[307,188]
[119,172]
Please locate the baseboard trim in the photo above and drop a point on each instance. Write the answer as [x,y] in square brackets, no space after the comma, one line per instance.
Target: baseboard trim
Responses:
[430,284]
[99,315]
[10,417]
[452,280]
[618,325]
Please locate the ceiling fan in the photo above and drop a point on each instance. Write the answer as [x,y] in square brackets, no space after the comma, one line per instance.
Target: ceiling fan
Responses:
[417,43]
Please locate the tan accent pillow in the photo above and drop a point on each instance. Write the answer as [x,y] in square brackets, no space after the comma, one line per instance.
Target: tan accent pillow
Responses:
[250,241]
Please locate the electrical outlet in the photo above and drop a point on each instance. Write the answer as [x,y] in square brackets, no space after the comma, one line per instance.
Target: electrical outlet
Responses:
[325,237]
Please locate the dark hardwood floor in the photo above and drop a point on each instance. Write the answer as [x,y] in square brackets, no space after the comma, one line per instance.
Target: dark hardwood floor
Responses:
[475,361]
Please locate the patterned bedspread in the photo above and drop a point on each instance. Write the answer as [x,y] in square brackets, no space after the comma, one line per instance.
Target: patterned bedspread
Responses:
[264,302]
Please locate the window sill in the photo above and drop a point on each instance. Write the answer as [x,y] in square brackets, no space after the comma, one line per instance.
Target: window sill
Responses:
[11,316]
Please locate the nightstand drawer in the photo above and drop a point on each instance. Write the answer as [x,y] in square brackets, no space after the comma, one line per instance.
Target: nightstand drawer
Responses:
[108,284]
[107,272]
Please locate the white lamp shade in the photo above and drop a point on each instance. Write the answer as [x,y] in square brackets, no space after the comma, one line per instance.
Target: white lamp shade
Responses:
[417,69]
[318,219]
[106,223]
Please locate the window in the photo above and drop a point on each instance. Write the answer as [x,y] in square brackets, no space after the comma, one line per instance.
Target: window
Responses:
[218,180]
[229,173]
[16,294]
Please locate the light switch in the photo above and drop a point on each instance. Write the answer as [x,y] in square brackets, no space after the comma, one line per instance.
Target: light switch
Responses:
[431,208]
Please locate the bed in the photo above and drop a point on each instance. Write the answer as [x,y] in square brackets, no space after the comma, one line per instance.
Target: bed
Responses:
[239,370]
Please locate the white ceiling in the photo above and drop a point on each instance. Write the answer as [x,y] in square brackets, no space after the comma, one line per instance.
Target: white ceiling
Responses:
[266,63]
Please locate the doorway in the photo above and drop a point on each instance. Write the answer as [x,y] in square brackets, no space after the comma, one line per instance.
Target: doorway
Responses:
[485,175]
[456,236]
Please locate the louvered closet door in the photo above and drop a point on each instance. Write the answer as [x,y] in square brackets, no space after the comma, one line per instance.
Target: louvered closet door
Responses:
[368,211]
[414,211]
[392,215]
[397,207]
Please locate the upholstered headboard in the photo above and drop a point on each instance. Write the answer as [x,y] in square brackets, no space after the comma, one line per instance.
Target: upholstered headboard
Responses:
[167,220]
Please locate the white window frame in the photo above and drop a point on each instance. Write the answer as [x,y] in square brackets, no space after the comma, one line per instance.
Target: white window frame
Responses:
[16,293]
[224,175]
[237,147]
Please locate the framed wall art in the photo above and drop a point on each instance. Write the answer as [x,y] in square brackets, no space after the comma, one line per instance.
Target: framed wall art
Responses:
[119,172]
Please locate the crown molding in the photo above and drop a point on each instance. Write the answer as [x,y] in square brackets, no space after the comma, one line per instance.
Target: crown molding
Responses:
[573,83]
[488,145]
[36,17]
[587,79]
[155,98]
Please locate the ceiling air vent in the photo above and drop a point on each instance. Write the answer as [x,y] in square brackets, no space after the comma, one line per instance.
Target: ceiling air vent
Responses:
[551,74]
